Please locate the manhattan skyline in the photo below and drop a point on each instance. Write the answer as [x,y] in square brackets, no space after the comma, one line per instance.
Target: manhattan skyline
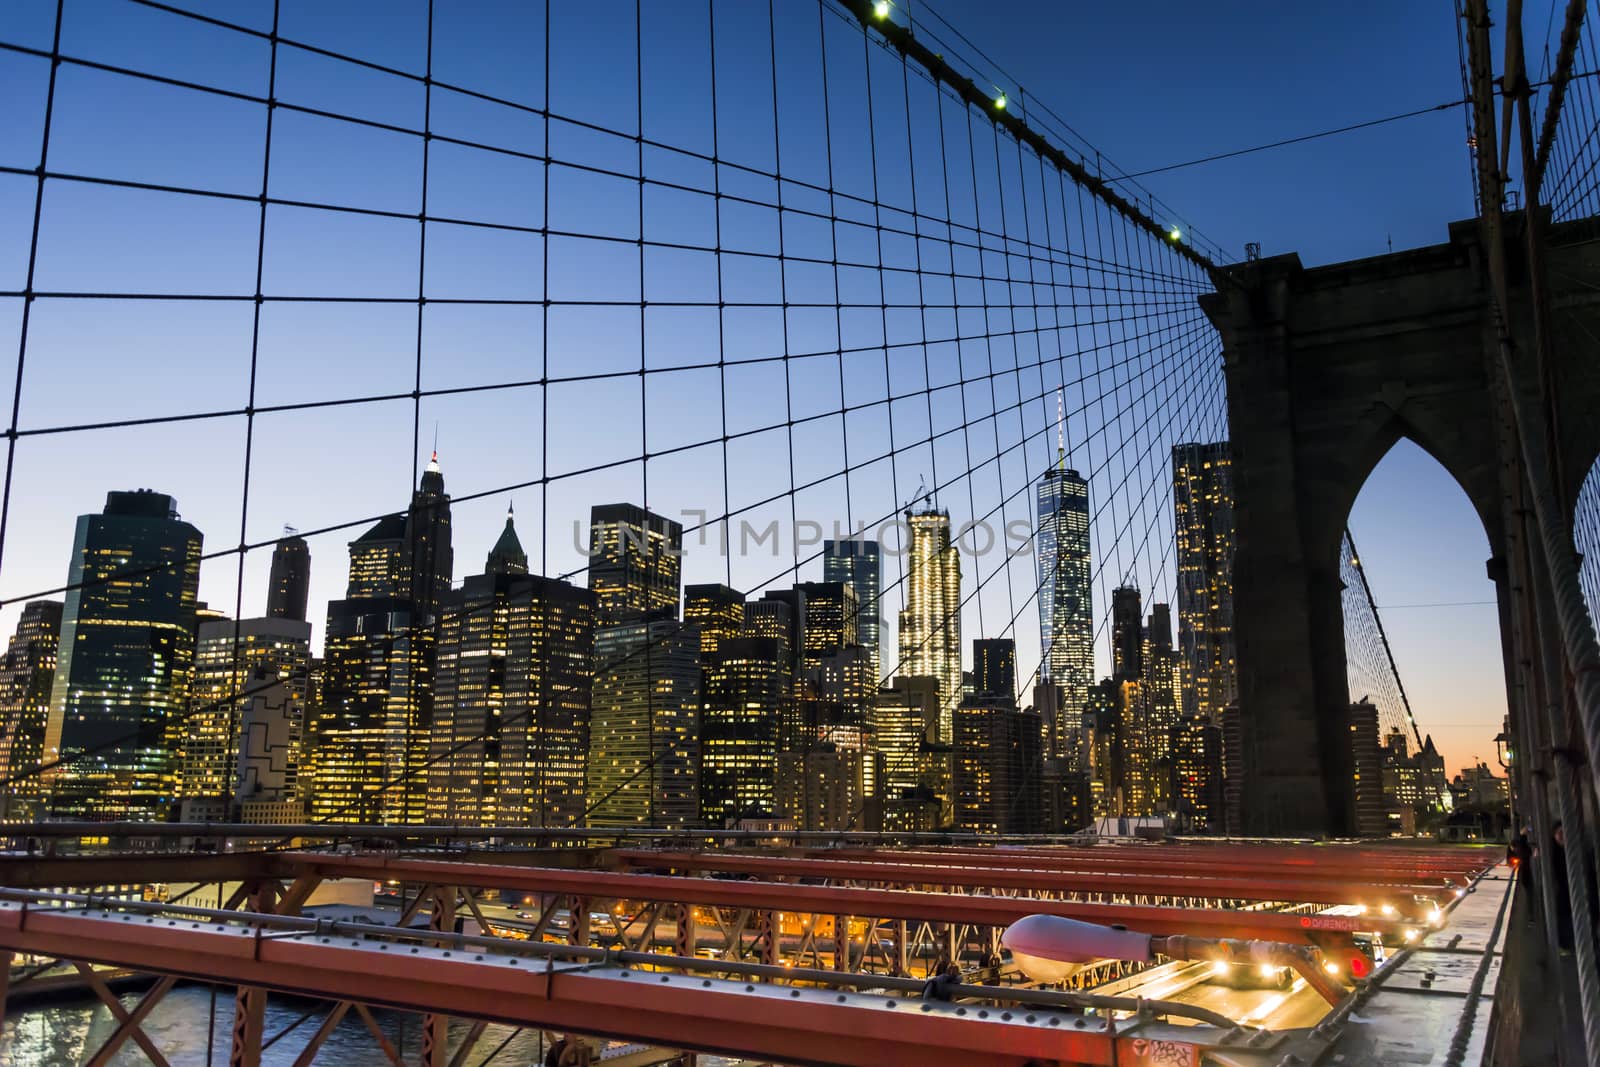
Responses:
[129,240]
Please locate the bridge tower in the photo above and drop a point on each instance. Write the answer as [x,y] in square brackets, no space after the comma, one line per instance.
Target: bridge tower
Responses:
[1327,368]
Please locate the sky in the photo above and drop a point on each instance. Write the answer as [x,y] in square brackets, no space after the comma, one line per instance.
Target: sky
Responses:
[1148,85]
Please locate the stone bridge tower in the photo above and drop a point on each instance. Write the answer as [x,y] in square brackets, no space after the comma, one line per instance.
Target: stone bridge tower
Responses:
[1326,369]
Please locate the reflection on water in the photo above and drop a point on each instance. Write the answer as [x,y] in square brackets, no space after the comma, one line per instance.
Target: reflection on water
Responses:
[69,1032]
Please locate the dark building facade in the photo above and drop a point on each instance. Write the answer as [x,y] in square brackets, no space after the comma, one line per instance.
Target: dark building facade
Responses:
[1366,758]
[290,581]
[994,668]
[127,656]
[1127,634]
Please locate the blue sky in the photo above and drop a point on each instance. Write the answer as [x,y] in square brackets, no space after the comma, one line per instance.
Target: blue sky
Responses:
[1147,84]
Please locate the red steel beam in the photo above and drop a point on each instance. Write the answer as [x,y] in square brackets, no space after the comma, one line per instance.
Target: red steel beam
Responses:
[1331,870]
[839,900]
[813,1027]
[1177,885]
[43,872]
[1422,861]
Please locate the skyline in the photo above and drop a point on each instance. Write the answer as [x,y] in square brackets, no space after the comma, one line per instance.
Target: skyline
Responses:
[95,237]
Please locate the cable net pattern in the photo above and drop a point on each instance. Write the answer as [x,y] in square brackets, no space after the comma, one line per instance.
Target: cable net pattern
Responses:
[1570,151]
[1369,668]
[744,264]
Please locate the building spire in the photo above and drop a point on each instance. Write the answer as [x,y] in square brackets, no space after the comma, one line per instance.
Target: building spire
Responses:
[1061,431]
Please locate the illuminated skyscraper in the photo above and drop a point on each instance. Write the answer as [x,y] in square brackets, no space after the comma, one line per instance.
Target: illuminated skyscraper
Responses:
[717,610]
[1197,779]
[368,738]
[26,676]
[126,662]
[356,738]
[930,624]
[511,704]
[747,689]
[1202,490]
[776,617]
[290,580]
[906,718]
[998,769]
[860,563]
[635,562]
[830,620]
[223,668]
[644,746]
[1066,601]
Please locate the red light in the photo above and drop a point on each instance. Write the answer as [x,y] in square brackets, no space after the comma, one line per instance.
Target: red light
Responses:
[1359,967]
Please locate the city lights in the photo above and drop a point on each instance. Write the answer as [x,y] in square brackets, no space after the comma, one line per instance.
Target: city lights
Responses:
[881,9]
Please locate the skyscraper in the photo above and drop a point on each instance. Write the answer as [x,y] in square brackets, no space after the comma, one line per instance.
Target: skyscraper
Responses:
[429,557]
[1066,601]
[830,620]
[510,732]
[356,742]
[227,656]
[1202,490]
[717,610]
[859,562]
[1367,759]
[994,668]
[644,747]
[907,715]
[635,561]
[1197,778]
[290,580]
[368,737]
[1127,634]
[127,652]
[998,766]
[26,676]
[747,690]
[930,624]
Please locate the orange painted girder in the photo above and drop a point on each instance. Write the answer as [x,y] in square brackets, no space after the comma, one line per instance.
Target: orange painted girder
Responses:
[839,900]
[774,1023]
[1464,861]
[1332,869]
[1177,885]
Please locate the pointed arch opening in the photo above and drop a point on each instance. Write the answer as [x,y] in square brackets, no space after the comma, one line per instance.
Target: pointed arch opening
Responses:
[1422,640]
